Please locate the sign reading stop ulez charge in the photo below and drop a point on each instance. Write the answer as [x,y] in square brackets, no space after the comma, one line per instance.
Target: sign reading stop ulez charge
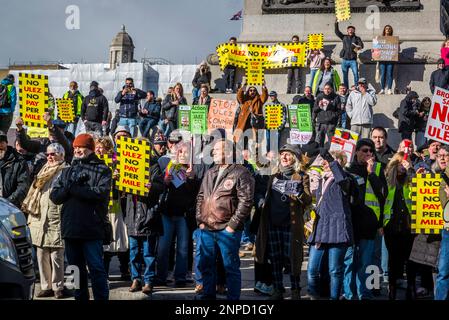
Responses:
[133,163]
[33,99]
[427,213]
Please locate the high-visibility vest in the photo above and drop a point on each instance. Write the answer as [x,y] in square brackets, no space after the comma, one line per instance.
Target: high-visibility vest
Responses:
[371,200]
[390,200]
[79,100]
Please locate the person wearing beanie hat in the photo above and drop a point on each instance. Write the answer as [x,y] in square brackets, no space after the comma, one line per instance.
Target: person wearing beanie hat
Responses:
[440,77]
[367,218]
[95,110]
[283,197]
[83,190]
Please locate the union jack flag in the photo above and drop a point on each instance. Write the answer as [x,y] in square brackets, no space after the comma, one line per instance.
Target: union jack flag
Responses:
[237,16]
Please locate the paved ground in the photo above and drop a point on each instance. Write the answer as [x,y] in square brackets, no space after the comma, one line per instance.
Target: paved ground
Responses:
[119,289]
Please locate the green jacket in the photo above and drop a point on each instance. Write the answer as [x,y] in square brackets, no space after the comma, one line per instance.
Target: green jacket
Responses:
[318,78]
[78,98]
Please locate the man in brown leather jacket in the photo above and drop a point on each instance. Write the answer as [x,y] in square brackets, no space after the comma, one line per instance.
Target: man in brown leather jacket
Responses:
[223,204]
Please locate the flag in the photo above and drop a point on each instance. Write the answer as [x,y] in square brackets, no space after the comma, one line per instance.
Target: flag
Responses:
[237,16]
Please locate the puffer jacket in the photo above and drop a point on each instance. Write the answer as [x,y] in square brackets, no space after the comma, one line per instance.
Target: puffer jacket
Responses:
[230,202]
[14,179]
[46,228]
[360,107]
[85,203]
[332,112]
[333,224]
[141,215]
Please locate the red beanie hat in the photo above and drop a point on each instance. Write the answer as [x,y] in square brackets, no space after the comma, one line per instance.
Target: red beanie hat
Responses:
[84,140]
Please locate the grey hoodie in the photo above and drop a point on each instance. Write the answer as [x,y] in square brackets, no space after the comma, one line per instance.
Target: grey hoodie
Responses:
[360,107]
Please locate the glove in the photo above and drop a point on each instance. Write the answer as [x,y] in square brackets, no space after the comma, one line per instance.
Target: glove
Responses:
[324,153]
[299,189]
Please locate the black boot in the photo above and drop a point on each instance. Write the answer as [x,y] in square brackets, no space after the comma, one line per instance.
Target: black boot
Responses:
[392,292]
[410,294]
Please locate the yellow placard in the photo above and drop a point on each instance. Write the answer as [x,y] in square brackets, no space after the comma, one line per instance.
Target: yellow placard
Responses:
[133,163]
[315,41]
[273,116]
[342,10]
[107,159]
[232,54]
[285,55]
[65,110]
[255,72]
[33,99]
[427,213]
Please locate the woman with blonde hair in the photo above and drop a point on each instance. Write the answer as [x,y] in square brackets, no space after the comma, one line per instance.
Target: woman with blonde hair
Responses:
[104,148]
[44,221]
[281,200]
[397,221]
[170,105]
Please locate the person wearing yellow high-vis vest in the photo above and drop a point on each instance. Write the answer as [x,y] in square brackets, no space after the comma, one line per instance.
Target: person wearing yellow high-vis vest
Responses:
[397,222]
[366,218]
[77,98]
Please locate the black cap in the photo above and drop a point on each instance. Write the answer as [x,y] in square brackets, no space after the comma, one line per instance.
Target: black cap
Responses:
[94,84]
[312,149]
[3,137]
[175,137]
[365,142]
[292,148]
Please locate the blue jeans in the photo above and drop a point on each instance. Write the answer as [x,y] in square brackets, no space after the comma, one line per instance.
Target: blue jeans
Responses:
[312,76]
[196,258]
[357,259]
[167,128]
[143,249]
[247,236]
[145,125]
[336,268]
[90,252]
[195,93]
[345,66]
[131,123]
[442,283]
[173,226]
[229,244]
[386,72]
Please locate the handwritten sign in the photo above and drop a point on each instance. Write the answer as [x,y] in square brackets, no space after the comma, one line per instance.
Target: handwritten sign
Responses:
[33,99]
[385,48]
[427,213]
[221,114]
[133,163]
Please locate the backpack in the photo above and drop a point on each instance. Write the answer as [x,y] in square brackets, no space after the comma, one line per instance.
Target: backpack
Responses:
[4,96]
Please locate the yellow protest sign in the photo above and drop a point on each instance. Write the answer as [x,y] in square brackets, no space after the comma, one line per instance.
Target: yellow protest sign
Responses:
[33,99]
[427,213]
[315,41]
[273,116]
[255,72]
[342,10]
[286,55]
[107,159]
[65,110]
[232,54]
[133,164]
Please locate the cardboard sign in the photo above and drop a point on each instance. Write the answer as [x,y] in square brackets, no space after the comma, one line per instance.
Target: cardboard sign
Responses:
[33,99]
[315,41]
[221,114]
[133,163]
[342,10]
[427,213]
[65,110]
[273,116]
[344,140]
[255,72]
[438,122]
[300,119]
[385,48]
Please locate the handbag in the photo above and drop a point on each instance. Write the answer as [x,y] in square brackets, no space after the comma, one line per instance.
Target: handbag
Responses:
[257,121]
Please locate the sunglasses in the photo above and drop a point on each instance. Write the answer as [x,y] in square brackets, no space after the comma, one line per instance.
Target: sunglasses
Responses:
[366,150]
[50,154]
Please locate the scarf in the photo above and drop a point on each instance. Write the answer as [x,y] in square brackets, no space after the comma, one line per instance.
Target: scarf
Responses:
[31,204]
[287,171]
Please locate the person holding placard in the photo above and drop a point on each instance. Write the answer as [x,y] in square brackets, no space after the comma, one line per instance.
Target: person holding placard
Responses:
[326,113]
[294,75]
[325,74]
[203,98]
[315,60]
[386,68]
[397,222]
[439,77]
[77,99]
[229,72]
[442,281]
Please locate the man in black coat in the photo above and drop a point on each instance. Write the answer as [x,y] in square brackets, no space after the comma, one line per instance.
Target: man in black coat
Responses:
[83,189]
[408,114]
[440,77]
[95,110]
[14,175]
[326,113]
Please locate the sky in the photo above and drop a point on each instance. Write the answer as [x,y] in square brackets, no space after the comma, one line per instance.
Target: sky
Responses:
[181,31]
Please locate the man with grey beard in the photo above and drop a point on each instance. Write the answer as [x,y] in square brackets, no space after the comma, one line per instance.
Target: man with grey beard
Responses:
[14,175]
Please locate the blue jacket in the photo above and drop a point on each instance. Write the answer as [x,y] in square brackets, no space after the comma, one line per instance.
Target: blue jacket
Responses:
[12,97]
[129,103]
[333,224]
[154,110]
